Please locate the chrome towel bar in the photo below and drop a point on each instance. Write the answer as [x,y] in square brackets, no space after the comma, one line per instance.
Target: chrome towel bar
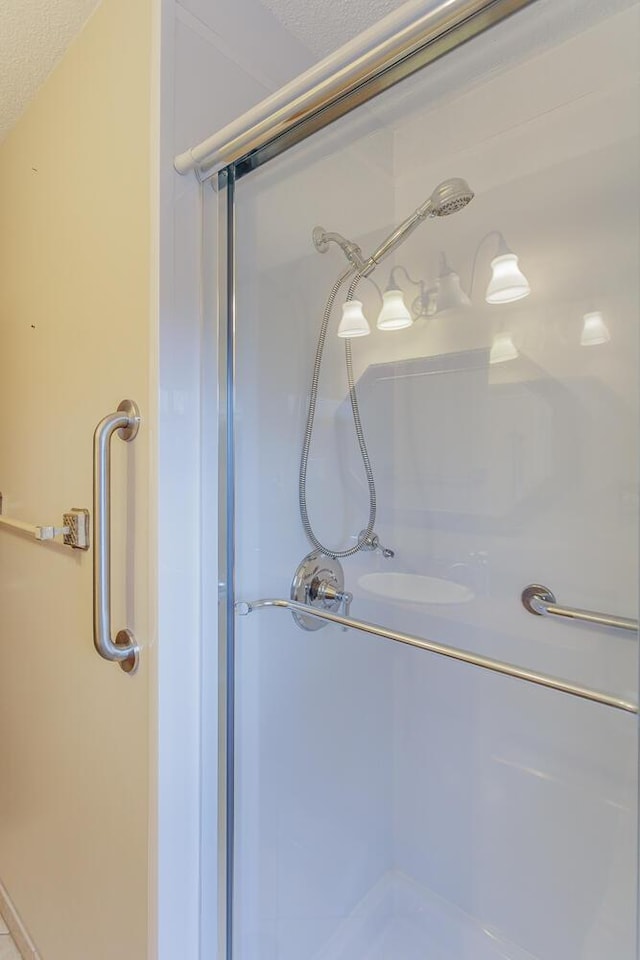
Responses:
[486,663]
[540,601]
[124,650]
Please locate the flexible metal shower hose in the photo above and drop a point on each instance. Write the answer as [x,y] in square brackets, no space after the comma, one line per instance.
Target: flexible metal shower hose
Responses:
[308,433]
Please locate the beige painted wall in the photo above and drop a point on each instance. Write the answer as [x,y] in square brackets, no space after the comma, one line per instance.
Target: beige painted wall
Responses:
[75,339]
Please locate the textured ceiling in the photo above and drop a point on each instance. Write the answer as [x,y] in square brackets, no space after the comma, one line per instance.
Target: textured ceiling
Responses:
[33,36]
[325,26]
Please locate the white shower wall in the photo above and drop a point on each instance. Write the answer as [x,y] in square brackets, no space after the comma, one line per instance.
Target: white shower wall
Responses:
[388,802]
[214,68]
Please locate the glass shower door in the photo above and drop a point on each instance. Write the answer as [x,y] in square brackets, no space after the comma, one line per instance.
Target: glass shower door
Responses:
[390,803]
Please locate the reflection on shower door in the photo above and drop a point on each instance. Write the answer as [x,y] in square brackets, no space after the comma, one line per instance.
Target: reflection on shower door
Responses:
[388,803]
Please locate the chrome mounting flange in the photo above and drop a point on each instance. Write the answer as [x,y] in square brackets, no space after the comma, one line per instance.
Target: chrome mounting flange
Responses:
[319,582]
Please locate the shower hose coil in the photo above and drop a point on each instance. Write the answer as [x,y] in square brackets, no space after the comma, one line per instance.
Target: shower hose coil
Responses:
[308,433]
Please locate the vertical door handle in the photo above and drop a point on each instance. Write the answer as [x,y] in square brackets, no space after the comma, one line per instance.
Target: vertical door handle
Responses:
[124,650]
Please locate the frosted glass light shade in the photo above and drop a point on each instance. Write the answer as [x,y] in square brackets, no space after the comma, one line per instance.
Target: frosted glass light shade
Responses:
[502,349]
[394,314]
[353,323]
[594,330]
[508,282]
[450,295]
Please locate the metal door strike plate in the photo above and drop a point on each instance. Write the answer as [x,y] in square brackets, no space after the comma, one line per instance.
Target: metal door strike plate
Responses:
[77,520]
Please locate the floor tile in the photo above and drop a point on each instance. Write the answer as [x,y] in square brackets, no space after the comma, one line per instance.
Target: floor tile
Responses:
[8,950]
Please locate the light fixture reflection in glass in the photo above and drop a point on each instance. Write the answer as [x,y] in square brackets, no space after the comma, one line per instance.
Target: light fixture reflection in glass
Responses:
[353,323]
[594,330]
[508,282]
[394,314]
[449,294]
[502,349]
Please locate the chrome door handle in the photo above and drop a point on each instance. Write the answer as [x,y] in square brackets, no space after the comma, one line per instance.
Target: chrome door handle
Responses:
[124,650]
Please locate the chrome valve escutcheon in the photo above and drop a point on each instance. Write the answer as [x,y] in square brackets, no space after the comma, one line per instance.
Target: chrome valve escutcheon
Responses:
[319,582]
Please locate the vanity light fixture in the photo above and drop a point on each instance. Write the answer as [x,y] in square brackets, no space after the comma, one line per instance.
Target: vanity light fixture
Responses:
[353,323]
[443,296]
[508,283]
[448,295]
[394,314]
[594,330]
[502,348]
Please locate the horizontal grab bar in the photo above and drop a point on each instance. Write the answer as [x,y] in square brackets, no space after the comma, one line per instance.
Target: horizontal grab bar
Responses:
[37,531]
[243,608]
[74,529]
[540,601]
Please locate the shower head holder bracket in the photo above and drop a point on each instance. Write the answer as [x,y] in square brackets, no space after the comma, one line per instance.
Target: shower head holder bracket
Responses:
[322,238]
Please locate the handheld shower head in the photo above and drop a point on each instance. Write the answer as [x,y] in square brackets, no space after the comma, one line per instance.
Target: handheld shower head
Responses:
[448,197]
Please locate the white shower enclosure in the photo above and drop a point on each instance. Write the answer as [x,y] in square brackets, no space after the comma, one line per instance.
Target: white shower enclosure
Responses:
[384,801]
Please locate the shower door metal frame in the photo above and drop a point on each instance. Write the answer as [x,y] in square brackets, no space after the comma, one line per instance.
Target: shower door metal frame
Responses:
[225,186]
[224,181]
[355,73]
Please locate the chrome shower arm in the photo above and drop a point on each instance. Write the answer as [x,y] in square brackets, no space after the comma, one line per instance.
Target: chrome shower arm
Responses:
[322,238]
